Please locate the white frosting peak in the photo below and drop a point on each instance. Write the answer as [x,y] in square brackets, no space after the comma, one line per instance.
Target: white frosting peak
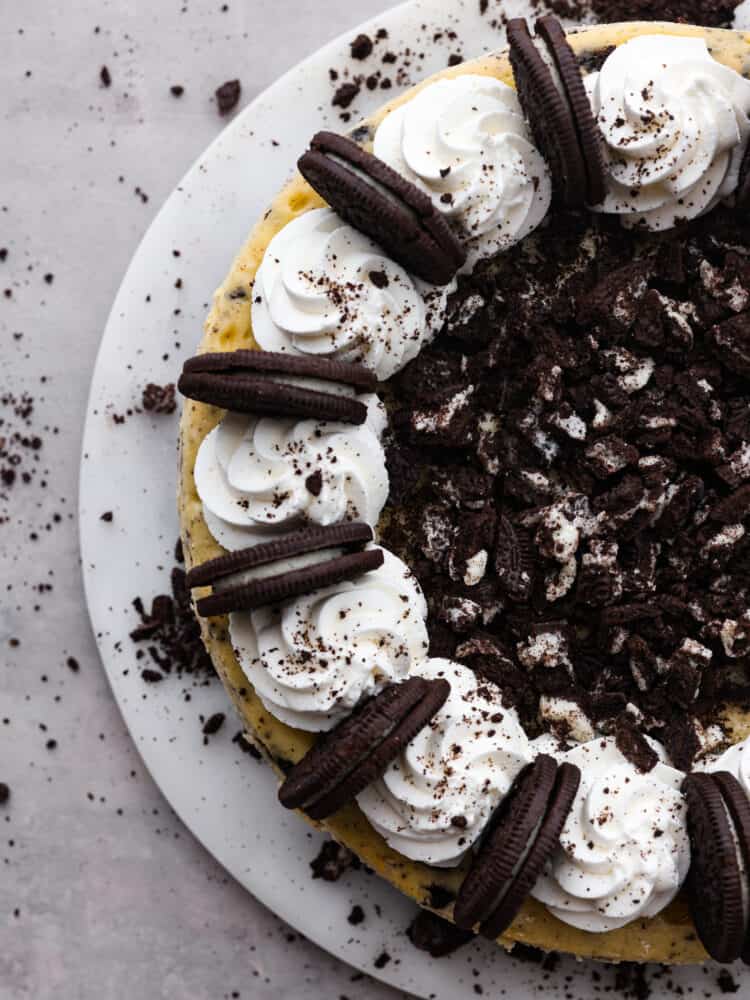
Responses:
[323,288]
[624,850]
[466,144]
[253,474]
[674,123]
[436,798]
[314,659]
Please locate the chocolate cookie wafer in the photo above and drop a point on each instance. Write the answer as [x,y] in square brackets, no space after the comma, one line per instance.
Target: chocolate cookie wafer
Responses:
[348,759]
[524,834]
[513,828]
[549,115]
[714,882]
[260,592]
[372,197]
[351,534]
[545,844]
[253,382]
[738,805]
[589,139]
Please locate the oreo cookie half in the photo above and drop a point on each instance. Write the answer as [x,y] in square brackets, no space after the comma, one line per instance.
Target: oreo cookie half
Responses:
[272,589]
[546,843]
[589,138]
[549,115]
[358,751]
[376,200]
[714,882]
[512,830]
[738,805]
[253,382]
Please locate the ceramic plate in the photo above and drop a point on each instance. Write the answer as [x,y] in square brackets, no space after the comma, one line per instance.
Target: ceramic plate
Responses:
[128,467]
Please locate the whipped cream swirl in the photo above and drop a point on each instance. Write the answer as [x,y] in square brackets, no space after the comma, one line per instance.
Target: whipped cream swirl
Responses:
[436,798]
[674,123]
[624,851]
[323,288]
[258,476]
[465,143]
[312,660]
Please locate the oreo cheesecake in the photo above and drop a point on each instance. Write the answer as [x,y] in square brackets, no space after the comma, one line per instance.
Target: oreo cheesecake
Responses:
[465,486]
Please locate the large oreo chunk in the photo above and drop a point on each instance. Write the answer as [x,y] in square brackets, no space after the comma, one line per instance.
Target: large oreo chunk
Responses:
[513,828]
[589,138]
[272,589]
[372,197]
[348,759]
[549,116]
[253,382]
[714,882]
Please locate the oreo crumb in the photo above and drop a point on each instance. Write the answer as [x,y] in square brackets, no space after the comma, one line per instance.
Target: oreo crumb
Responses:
[356,916]
[106,516]
[213,724]
[361,47]
[105,77]
[382,960]
[176,90]
[726,983]
[159,398]
[4,793]
[332,861]
[345,95]
[228,96]
[438,937]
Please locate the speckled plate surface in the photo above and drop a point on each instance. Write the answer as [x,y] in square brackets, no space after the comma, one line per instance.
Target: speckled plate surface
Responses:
[226,799]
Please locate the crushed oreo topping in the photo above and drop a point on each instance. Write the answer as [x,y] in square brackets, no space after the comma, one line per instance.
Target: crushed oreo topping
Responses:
[572,477]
